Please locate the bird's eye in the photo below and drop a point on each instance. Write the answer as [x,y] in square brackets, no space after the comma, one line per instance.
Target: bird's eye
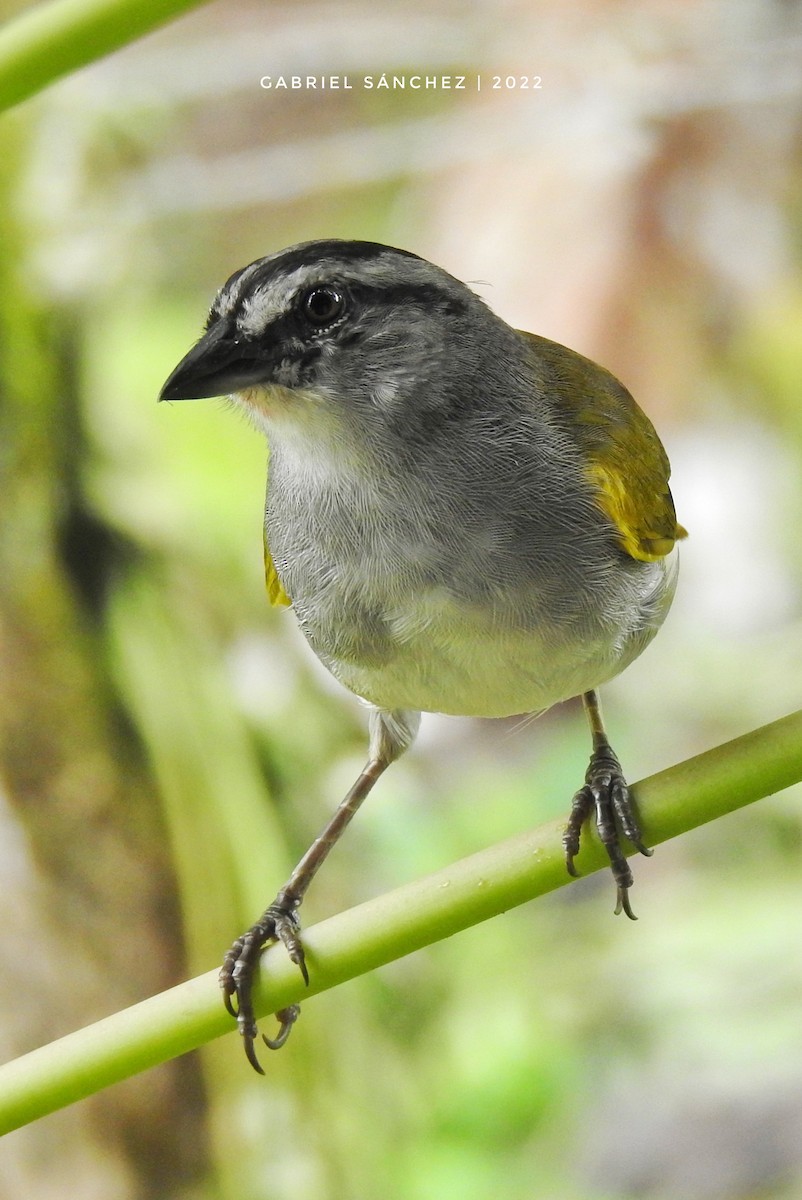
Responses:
[323,305]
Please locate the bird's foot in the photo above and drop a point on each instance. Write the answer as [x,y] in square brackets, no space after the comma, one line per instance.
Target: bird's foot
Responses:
[607,795]
[279,923]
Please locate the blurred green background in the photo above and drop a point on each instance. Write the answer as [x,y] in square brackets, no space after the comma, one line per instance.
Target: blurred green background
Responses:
[170,746]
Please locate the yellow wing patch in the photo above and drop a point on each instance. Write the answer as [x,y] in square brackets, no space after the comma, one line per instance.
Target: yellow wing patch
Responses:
[276,593]
[275,588]
[645,521]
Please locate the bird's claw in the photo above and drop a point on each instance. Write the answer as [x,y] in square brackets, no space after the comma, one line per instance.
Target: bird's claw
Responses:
[606,794]
[622,904]
[278,923]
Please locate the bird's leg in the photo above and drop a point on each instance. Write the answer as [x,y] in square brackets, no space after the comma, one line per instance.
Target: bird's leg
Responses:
[280,922]
[391,733]
[607,795]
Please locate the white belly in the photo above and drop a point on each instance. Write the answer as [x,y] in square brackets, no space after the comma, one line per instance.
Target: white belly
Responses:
[445,659]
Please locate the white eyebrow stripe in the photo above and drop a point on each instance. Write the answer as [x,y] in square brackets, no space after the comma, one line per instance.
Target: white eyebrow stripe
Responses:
[258,310]
[269,301]
[226,299]
[255,305]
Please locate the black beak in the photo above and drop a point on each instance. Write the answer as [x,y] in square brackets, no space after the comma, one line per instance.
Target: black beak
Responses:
[217,365]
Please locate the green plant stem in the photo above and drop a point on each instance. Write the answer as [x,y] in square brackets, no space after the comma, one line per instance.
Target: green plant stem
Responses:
[51,39]
[418,914]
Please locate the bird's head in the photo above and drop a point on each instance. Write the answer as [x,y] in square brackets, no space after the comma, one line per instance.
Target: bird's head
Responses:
[331,336]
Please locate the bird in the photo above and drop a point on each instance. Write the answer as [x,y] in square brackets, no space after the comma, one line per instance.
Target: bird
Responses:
[464,518]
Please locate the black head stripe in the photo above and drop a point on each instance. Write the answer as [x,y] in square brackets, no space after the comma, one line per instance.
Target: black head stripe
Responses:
[306,254]
[426,295]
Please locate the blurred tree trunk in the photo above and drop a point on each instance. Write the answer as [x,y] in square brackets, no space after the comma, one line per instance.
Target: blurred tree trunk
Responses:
[89,919]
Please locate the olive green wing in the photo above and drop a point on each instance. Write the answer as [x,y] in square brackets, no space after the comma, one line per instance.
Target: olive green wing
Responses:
[626,463]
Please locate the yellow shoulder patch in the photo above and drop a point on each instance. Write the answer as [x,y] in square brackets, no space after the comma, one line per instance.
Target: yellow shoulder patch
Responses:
[644,517]
[275,588]
[276,593]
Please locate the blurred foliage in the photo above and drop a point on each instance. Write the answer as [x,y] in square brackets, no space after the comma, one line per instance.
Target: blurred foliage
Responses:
[169,744]
[80,809]
[51,39]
